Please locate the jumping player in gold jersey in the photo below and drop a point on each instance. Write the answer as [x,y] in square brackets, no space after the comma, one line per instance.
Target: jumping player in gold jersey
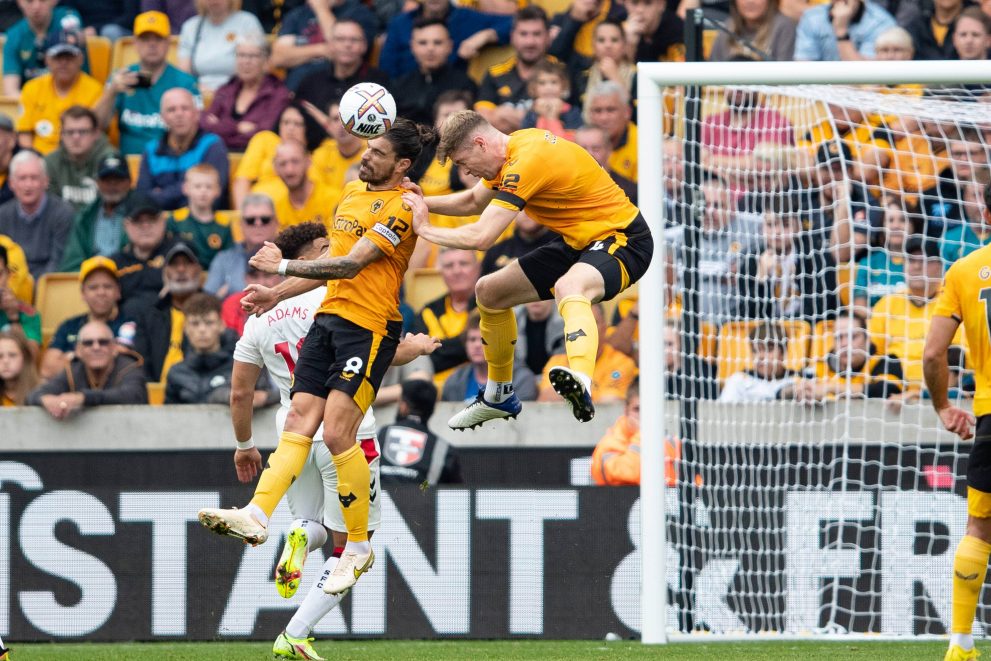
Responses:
[604,246]
[348,348]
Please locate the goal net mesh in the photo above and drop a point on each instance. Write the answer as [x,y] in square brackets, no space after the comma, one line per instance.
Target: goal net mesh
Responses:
[812,490]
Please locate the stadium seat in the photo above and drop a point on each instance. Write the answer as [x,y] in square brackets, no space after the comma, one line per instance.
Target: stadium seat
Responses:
[134,165]
[58,299]
[124,52]
[553,7]
[99,50]
[10,105]
[233,160]
[234,216]
[489,55]
[423,286]
[156,393]
[822,340]
[734,346]
[708,39]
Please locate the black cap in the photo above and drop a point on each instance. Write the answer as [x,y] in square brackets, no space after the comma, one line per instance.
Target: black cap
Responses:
[922,245]
[64,41]
[832,151]
[113,165]
[180,249]
[139,203]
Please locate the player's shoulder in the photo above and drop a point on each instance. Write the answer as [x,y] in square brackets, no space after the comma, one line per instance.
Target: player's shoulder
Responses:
[975,267]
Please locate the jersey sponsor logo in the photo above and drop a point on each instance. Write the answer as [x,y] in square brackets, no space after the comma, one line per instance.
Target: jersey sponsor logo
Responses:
[404,446]
[131,118]
[349,225]
[984,273]
[598,245]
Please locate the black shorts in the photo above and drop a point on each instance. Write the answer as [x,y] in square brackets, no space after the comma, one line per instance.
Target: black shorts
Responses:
[979,461]
[622,258]
[340,355]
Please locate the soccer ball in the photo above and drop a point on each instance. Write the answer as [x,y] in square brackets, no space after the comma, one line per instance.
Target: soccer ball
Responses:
[367,110]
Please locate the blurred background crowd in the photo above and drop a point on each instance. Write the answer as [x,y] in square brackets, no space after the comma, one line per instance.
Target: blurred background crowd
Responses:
[148,149]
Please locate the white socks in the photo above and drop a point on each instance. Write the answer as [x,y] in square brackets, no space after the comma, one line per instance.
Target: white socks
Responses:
[257,513]
[964,640]
[315,606]
[362,548]
[316,534]
[496,392]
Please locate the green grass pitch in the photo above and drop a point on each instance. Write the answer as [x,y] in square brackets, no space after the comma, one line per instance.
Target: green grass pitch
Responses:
[488,650]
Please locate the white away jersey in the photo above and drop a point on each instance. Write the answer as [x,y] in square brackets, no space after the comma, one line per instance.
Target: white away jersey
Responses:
[273,341]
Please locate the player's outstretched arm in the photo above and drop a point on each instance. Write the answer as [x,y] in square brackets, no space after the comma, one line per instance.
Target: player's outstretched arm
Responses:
[244,376]
[342,267]
[479,235]
[413,346]
[936,371]
[470,202]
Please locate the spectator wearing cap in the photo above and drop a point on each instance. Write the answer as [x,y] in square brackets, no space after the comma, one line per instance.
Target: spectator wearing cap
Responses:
[133,95]
[306,41]
[46,97]
[411,453]
[100,373]
[838,210]
[470,32]
[100,291]
[176,12]
[841,31]
[107,18]
[140,261]
[258,223]
[24,46]
[99,228]
[73,167]
[900,321]
[164,162]
[15,313]
[8,148]
[40,223]
[159,324]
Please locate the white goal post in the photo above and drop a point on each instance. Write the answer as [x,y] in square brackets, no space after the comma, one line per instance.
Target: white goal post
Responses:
[653,78]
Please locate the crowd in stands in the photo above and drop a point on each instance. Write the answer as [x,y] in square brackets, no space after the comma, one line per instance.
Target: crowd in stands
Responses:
[157,181]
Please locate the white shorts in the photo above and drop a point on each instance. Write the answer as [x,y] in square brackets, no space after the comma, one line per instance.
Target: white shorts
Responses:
[314,493]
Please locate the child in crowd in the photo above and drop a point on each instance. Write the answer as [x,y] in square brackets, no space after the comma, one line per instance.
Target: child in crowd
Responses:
[549,88]
[207,231]
[18,376]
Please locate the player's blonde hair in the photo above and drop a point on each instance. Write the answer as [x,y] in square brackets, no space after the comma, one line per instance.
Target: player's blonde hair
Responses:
[456,131]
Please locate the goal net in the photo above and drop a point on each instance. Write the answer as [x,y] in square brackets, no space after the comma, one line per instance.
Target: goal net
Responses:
[806,227]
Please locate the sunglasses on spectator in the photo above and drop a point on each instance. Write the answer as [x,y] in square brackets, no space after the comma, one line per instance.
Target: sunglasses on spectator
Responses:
[258,220]
[101,342]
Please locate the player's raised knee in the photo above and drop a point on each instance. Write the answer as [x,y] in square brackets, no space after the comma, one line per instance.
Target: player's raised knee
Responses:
[489,294]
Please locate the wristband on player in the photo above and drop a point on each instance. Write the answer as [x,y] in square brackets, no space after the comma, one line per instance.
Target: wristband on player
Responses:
[283,265]
[246,445]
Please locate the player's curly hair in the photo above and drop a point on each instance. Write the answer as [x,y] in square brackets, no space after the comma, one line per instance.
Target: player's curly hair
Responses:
[456,131]
[292,240]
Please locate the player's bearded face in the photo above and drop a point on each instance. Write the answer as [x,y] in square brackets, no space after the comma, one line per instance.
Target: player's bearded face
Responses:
[378,163]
